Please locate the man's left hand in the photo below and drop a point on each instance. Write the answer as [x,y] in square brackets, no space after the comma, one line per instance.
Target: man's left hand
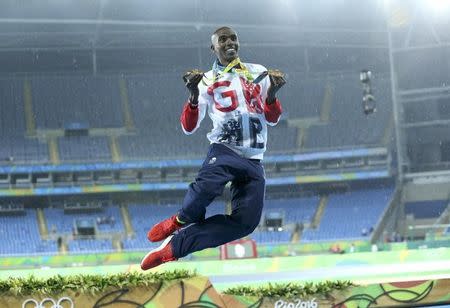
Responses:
[276,82]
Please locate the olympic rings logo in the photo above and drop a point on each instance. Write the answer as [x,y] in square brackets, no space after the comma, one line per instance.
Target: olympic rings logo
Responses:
[46,301]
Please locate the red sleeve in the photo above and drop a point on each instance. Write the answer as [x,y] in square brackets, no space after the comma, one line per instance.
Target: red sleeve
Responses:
[189,117]
[273,111]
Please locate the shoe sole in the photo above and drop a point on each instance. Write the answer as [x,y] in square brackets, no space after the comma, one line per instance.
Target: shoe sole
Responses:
[161,247]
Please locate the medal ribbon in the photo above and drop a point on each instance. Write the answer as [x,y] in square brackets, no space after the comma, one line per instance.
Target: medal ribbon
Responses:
[230,68]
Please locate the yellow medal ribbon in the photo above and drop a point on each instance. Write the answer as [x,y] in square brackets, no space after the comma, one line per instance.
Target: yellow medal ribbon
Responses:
[229,69]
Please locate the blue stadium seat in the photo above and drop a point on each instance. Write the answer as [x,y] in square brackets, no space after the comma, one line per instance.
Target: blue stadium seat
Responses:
[348,126]
[60,100]
[12,119]
[90,246]
[84,148]
[347,215]
[22,150]
[64,222]
[19,234]
[266,237]
[426,209]
[296,210]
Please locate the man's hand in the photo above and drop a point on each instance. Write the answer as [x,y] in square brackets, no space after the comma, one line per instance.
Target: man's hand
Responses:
[276,82]
[191,81]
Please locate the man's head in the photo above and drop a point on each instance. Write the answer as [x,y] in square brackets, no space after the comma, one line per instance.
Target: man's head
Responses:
[225,44]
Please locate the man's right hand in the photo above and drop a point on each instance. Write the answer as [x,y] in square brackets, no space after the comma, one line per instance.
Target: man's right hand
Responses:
[191,81]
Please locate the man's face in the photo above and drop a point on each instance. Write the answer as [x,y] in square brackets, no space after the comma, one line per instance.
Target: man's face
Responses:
[225,45]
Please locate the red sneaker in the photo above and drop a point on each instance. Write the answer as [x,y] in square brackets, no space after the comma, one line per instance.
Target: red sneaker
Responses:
[163,229]
[159,255]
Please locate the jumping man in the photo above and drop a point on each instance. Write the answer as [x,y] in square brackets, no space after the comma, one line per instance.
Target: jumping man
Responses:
[240,99]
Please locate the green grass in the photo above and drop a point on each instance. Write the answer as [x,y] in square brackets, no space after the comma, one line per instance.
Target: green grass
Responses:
[95,284]
[92,284]
[290,290]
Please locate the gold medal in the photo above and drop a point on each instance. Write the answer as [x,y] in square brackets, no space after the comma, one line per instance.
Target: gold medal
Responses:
[192,72]
[195,72]
[275,73]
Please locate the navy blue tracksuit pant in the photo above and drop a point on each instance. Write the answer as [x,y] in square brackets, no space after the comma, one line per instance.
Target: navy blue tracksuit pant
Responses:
[247,199]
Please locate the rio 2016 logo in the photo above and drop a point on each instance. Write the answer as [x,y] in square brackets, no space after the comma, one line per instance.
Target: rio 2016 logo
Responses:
[32,303]
[297,303]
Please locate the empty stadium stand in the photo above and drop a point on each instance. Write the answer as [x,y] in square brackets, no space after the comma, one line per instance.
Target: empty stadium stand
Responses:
[302,98]
[60,100]
[348,126]
[347,216]
[270,237]
[426,209]
[90,245]
[83,148]
[12,118]
[350,216]
[19,234]
[154,102]
[64,221]
[23,150]
[295,210]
